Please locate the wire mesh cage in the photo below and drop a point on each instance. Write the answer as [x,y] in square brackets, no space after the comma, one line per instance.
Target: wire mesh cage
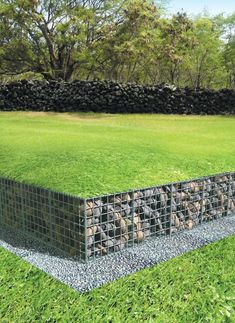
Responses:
[54,218]
[89,228]
[118,221]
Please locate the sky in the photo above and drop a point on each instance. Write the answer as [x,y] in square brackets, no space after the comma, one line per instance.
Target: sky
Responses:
[196,6]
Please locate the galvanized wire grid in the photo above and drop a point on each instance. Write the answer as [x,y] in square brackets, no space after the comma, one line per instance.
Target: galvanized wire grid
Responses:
[118,221]
[54,218]
[89,228]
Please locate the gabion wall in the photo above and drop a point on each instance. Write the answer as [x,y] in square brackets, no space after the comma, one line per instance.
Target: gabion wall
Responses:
[88,228]
[54,218]
[121,220]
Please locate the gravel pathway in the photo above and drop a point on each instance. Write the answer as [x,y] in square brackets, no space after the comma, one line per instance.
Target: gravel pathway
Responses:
[84,277]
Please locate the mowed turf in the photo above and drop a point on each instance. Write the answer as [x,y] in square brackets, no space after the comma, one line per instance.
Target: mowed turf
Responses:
[196,287]
[92,154]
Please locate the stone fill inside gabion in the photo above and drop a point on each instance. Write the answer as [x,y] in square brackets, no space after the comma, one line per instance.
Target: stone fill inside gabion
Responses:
[117,221]
[89,228]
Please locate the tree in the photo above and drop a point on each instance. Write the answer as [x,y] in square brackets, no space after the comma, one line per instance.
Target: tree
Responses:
[125,48]
[175,43]
[189,52]
[229,50]
[58,33]
[204,60]
[15,53]
[122,40]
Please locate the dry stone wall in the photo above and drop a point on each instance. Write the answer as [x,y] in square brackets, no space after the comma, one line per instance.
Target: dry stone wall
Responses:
[113,97]
[89,228]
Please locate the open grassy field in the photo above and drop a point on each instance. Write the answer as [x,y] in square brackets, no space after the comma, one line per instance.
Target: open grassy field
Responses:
[92,154]
[196,287]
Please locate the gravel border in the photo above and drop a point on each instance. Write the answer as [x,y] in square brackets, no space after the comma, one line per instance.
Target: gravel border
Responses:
[85,277]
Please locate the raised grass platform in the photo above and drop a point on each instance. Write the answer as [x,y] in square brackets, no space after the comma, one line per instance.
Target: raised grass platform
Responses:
[92,154]
[98,154]
[93,227]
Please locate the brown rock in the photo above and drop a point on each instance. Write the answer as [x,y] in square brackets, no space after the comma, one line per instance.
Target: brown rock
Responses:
[117,217]
[128,222]
[183,196]
[109,243]
[102,249]
[91,231]
[125,237]
[140,236]
[222,199]
[126,198]
[89,252]
[163,197]
[189,225]
[197,206]
[232,205]
[177,222]
[90,241]
[122,224]
[194,207]
[205,202]
[184,205]
[136,195]
[194,187]
[224,178]
[137,222]
[89,209]
[116,200]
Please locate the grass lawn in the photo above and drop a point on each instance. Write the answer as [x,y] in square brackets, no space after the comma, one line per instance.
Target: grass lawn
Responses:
[196,287]
[92,154]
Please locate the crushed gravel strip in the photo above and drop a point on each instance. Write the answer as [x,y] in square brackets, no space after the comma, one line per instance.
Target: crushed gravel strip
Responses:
[84,277]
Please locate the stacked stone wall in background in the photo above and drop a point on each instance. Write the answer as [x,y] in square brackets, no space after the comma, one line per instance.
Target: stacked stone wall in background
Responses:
[111,97]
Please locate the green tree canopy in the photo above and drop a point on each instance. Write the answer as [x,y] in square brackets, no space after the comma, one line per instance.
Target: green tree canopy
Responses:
[122,40]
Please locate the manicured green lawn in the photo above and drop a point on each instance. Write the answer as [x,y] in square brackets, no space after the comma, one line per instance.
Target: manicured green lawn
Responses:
[196,287]
[91,154]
